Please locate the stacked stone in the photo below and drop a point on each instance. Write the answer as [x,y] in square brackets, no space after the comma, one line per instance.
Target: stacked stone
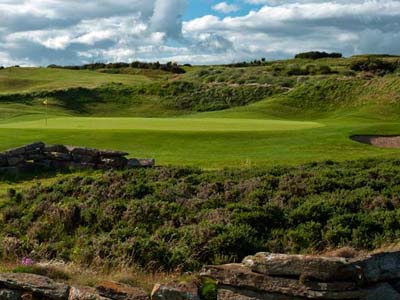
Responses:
[278,276]
[38,155]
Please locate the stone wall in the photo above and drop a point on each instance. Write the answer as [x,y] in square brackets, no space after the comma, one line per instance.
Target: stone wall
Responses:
[263,276]
[39,155]
[267,276]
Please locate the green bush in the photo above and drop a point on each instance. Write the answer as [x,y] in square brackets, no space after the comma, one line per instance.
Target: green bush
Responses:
[182,218]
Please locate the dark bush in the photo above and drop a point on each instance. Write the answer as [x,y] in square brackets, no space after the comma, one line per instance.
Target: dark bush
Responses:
[374,65]
[318,55]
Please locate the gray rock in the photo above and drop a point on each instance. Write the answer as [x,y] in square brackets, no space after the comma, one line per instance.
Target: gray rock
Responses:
[38,146]
[35,157]
[382,291]
[9,170]
[83,151]
[84,158]
[140,163]
[3,160]
[56,148]
[84,293]
[39,285]
[15,160]
[9,295]
[312,267]
[115,162]
[111,154]
[61,156]
[116,291]
[239,276]
[232,293]
[15,151]
[381,267]
[176,291]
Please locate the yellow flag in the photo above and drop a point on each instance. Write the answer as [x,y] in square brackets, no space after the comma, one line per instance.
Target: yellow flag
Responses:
[45,102]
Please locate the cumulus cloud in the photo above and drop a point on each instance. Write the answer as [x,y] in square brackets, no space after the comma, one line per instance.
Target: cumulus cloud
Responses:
[40,32]
[225,8]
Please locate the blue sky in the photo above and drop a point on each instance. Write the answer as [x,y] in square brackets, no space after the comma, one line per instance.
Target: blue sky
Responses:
[42,32]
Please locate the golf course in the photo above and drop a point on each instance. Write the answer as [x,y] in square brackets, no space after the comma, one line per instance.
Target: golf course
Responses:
[154,114]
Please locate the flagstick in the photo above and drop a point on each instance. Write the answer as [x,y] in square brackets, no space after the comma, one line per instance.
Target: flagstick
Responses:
[46,111]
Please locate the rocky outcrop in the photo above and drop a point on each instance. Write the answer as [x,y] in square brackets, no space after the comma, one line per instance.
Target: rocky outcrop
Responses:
[40,156]
[176,291]
[279,276]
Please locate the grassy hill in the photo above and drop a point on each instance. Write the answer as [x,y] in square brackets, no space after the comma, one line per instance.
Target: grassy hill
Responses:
[284,112]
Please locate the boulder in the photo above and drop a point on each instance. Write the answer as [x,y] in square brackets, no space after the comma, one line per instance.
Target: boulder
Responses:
[84,293]
[56,149]
[3,160]
[15,160]
[35,156]
[61,156]
[112,154]
[140,163]
[316,268]
[80,158]
[240,276]
[116,291]
[38,285]
[9,295]
[15,151]
[115,162]
[381,267]
[231,293]
[176,291]
[83,151]
[34,147]
[382,291]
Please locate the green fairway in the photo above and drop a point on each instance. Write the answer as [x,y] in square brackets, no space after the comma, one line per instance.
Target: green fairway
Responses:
[162,124]
[310,121]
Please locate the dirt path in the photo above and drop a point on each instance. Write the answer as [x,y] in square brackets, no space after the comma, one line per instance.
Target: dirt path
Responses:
[378,141]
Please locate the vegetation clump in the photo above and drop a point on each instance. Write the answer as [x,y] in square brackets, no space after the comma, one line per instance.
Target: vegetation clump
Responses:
[182,218]
[374,65]
[168,67]
[317,55]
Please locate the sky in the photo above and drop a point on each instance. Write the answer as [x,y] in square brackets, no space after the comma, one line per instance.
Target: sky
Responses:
[72,32]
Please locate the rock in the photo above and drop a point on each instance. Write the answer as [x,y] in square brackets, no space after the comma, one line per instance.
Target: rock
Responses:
[15,160]
[56,149]
[84,158]
[9,295]
[116,162]
[312,267]
[84,293]
[39,285]
[381,267]
[34,147]
[35,157]
[83,151]
[15,152]
[242,277]
[112,154]
[140,163]
[176,291]
[231,293]
[118,291]
[3,160]
[382,291]
[61,156]
[9,170]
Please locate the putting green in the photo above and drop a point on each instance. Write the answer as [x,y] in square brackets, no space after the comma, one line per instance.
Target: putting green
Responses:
[163,124]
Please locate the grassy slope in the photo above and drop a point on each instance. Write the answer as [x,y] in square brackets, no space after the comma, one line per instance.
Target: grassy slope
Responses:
[341,105]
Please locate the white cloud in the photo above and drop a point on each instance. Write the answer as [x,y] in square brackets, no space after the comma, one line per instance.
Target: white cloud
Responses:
[225,8]
[75,31]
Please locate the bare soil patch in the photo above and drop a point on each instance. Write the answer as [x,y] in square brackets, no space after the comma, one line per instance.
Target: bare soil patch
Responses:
[378,140]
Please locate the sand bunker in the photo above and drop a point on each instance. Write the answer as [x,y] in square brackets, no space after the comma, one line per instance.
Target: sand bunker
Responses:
[378,140]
